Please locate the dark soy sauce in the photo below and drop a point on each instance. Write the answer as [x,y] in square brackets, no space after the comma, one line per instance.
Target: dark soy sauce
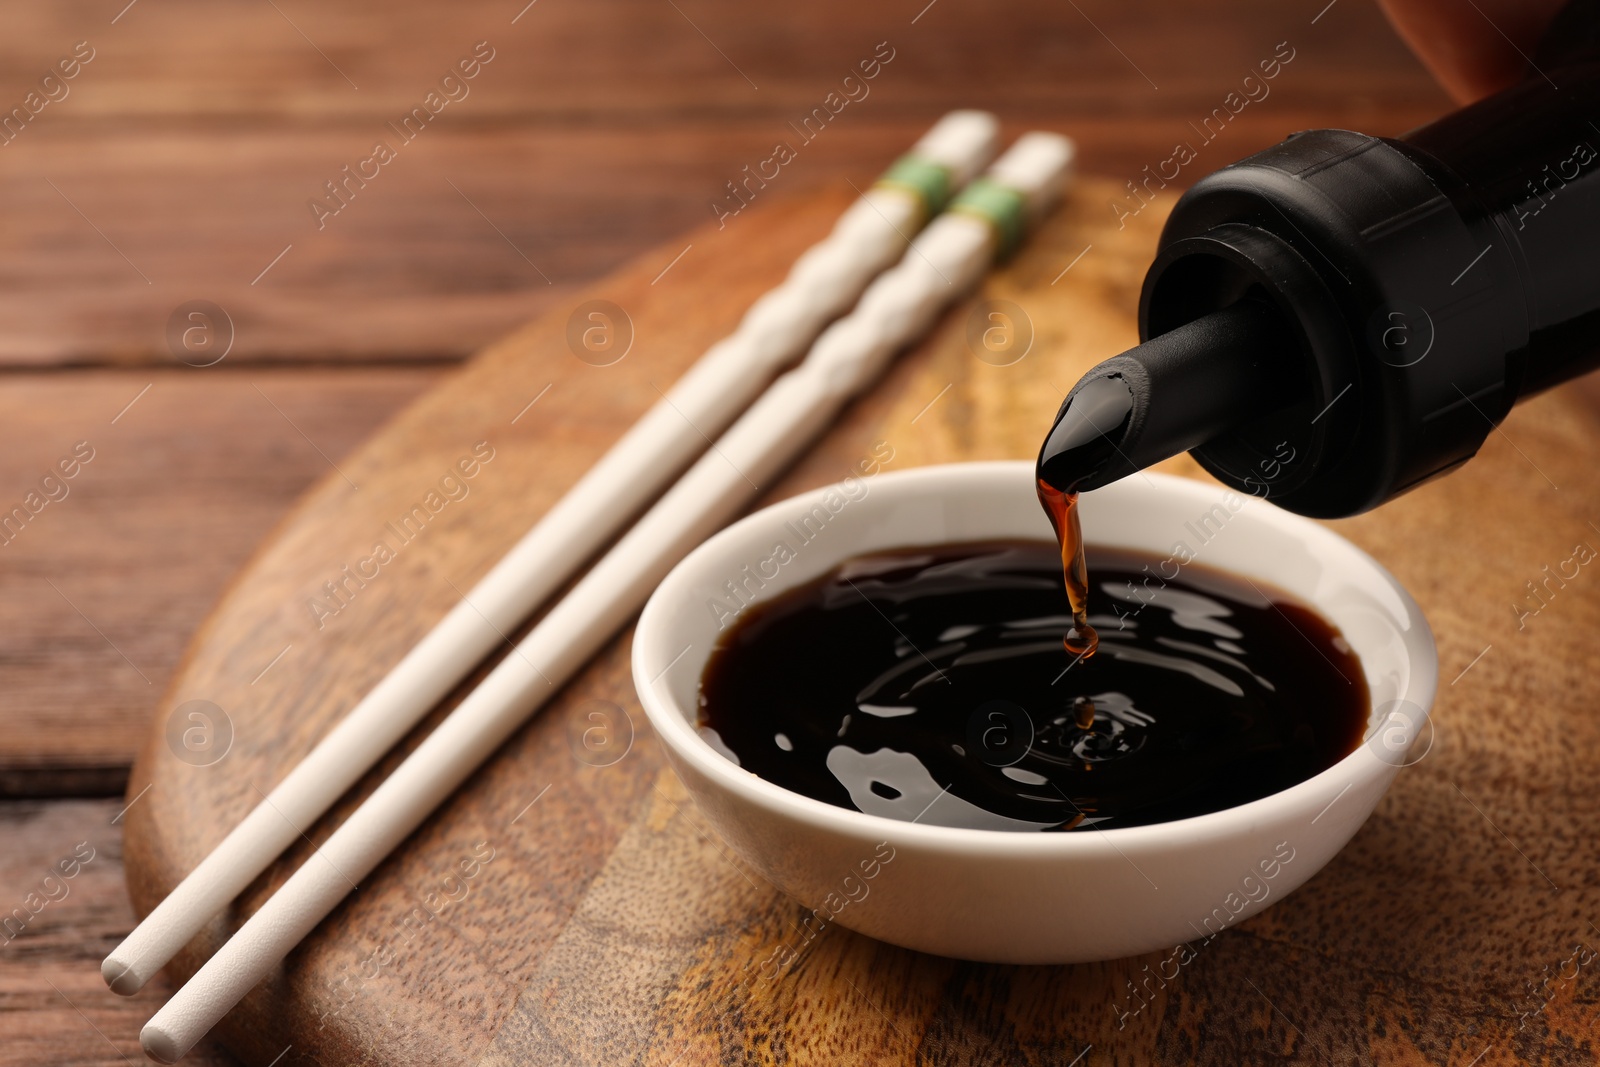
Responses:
[930,684]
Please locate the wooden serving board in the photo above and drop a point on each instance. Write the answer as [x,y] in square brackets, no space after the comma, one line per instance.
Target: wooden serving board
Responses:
[570,906]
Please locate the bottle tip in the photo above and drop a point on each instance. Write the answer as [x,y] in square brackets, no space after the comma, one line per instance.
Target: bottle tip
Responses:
[1087,433]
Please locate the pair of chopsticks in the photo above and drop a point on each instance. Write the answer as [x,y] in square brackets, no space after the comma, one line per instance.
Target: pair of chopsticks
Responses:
[896,305]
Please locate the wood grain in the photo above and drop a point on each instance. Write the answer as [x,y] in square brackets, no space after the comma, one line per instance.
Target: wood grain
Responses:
[53,1007]
[612,926]
[183,157]
[99,590]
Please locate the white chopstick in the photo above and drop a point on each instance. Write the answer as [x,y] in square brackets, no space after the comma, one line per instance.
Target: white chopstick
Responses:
[943,263]
[823,283]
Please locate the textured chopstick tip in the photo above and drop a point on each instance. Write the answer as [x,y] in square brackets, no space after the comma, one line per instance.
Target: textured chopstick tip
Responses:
[121,977]
[160,1045]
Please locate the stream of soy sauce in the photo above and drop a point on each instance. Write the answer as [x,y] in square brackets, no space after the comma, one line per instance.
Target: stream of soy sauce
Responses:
[1080,640]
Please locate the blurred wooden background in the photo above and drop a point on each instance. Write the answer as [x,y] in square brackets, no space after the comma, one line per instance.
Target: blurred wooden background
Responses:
[178,166]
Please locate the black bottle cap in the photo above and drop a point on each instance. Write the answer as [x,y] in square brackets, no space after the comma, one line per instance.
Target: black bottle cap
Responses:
[1309,335]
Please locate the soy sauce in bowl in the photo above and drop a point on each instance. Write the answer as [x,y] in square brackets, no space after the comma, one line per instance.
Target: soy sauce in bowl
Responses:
[931,685]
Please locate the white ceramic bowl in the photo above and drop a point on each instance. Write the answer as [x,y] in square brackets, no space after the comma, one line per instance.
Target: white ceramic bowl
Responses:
[1036,897]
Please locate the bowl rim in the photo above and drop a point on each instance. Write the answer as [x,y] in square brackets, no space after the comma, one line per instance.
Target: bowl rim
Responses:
[683,741]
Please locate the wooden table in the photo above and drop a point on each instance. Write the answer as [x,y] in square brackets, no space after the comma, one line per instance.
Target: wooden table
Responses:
[180,166]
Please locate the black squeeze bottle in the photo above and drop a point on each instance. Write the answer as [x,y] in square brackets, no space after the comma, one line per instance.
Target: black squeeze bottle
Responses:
[1339,318]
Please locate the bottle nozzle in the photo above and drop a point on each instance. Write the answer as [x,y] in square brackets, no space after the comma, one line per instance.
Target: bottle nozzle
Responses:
[1173,393]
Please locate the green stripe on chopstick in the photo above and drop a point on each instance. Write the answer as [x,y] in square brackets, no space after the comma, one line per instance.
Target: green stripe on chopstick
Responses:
[927,183]
[1001,207]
